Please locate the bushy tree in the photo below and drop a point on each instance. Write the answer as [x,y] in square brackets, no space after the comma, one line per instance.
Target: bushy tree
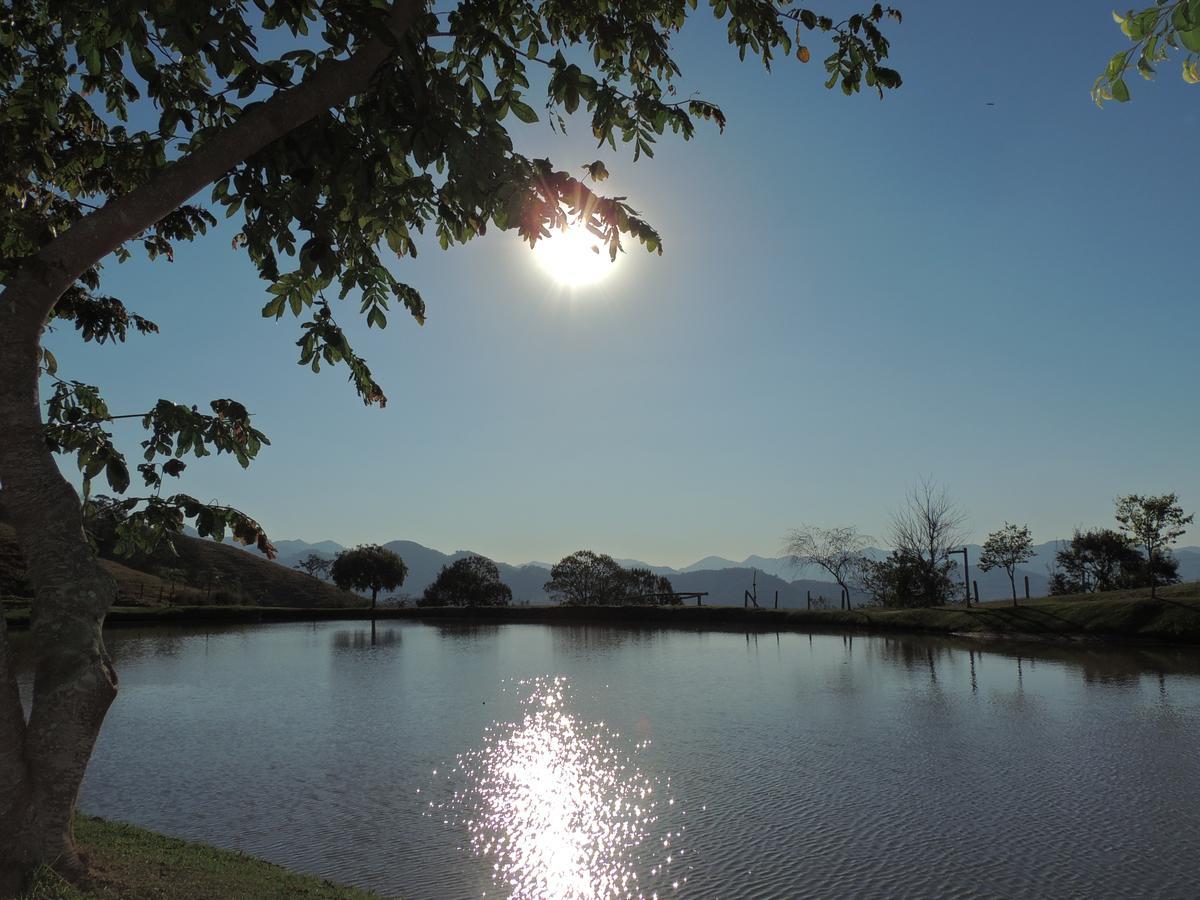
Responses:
[328,131]
[470,581]
[368,568]
[585,578]
[315,565]
[641,586]
[1098,559]
[1141,572]
[907,581]
[1006,549]
[1154,523]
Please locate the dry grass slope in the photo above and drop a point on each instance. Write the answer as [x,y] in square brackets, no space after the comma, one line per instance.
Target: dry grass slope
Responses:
[202,572]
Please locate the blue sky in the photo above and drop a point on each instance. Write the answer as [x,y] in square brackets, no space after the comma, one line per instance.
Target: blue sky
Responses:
[854,294]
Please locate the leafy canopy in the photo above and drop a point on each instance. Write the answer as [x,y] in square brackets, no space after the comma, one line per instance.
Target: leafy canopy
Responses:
[368,568]
[470,581]
[97,100]
[1154,32]
[1154,522]
[1006,548]
[1101,559]
[587,578]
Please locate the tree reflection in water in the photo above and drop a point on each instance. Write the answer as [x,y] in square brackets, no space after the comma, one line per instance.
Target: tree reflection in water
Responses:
[365,639]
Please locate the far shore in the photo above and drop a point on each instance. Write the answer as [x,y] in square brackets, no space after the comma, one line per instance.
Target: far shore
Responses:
[1123,617]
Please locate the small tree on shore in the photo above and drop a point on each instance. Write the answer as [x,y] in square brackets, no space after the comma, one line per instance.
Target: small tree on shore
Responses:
[368,568]
[1006,549]
[470,581]
[837,550]
[315,566]
[1155,523]
[905,581]
[924,531]
[585,578]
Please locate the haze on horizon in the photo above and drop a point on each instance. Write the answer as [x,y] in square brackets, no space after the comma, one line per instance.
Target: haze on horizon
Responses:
[854,294]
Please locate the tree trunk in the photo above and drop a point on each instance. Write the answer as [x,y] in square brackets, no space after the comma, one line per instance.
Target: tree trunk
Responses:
[1012,581]
[374,594]
[43,758]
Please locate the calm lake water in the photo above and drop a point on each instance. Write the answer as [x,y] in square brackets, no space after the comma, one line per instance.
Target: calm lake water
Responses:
[557,761]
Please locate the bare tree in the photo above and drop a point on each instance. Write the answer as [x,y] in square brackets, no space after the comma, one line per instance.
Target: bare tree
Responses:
[927,527]
[314,565]
[837,550]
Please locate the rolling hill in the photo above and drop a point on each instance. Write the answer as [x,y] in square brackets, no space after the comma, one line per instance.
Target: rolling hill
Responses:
[201,572]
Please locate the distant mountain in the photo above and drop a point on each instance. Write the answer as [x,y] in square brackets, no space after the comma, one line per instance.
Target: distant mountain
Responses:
[638,564]
[710,563]
[301,549]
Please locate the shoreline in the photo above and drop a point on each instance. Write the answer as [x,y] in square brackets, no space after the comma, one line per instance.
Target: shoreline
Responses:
[1117,620]
[128,862]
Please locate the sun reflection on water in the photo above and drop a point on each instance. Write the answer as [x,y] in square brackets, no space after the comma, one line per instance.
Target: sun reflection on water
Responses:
[560,809]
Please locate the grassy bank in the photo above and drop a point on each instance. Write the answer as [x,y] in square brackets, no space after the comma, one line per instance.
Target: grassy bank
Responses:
[1122,616]
[131,863]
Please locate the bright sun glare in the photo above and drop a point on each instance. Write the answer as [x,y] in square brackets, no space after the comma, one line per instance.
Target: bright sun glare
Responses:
[574,257]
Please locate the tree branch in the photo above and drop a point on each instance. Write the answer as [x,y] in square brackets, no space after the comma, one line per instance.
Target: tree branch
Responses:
[34,291]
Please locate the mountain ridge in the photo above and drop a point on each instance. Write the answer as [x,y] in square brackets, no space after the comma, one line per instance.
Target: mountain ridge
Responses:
[724,579]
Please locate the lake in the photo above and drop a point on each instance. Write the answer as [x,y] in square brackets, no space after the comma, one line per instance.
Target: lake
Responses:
[455,760]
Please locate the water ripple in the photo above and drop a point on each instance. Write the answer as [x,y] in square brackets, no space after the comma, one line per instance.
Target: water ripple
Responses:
[561,809]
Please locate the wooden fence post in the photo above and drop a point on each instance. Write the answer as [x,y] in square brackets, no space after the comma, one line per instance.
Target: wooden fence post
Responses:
[1026,587]
[976,584]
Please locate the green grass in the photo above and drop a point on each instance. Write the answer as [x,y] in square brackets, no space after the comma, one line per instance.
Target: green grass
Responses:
[131,863]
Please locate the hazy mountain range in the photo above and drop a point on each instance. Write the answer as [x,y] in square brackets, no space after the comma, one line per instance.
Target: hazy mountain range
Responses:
[724,579]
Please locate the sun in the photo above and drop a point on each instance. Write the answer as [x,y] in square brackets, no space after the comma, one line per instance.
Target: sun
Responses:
[574,257]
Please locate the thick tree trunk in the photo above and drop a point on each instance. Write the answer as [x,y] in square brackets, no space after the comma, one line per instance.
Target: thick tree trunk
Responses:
[43,758]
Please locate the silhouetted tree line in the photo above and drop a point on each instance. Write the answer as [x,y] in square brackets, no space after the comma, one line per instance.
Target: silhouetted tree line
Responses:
[928,529]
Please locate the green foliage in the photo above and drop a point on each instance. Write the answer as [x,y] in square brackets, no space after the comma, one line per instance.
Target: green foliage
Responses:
[906,581]
[1096,560]
[586,578]
[368,568]
[1155,523]
[76,416]
[1155,32]
[470,581]
[1006,549]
